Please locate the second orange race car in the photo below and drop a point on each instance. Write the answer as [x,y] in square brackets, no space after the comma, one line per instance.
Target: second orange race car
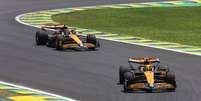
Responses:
[60,37]
[145,74]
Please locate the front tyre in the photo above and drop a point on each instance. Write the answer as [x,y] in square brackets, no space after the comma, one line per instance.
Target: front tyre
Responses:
[122,70]
[59,44]
[170,78]
[129,78]
[91,38]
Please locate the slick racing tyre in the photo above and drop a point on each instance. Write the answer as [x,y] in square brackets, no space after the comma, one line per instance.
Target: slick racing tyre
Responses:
[41,38]
[122,70]
[59,44]
[129,78]
[91,38]
[170,78]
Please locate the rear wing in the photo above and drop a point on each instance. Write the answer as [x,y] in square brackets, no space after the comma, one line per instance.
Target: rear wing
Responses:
[143,60]
[54,26]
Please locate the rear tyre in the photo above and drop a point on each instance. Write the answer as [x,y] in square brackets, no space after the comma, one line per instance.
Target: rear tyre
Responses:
[41,38]
[122,70]
[91,38]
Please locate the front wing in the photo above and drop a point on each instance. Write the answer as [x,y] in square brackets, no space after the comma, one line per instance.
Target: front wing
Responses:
[75,45]
[157,87]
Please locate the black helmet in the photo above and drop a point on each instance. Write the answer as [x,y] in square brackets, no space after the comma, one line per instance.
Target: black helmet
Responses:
[73,31]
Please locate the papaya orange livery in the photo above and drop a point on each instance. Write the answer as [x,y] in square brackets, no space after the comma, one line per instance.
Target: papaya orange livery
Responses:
[61,37]
[145,74]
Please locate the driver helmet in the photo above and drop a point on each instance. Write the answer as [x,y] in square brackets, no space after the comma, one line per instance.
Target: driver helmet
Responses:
[147,67]
[73,31]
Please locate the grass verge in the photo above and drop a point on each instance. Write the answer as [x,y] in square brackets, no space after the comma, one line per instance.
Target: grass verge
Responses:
[179,24]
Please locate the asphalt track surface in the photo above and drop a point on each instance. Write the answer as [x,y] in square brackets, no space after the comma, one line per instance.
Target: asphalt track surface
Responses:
[86,76]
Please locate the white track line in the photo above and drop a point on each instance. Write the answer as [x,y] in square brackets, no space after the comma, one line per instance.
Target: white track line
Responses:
[174,50]
[17,18]
[37,91]
[34,90]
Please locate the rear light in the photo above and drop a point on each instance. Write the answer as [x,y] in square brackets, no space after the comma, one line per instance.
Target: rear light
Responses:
[162,74]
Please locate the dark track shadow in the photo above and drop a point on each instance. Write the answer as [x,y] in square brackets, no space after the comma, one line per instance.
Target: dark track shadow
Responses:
[76,50]
[68,50]
[165,91]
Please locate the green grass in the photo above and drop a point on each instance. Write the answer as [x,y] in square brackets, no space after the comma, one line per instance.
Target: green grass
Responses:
[180,25]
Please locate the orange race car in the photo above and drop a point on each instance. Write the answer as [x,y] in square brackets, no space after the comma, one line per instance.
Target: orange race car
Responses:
[60,37]
[145,74]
